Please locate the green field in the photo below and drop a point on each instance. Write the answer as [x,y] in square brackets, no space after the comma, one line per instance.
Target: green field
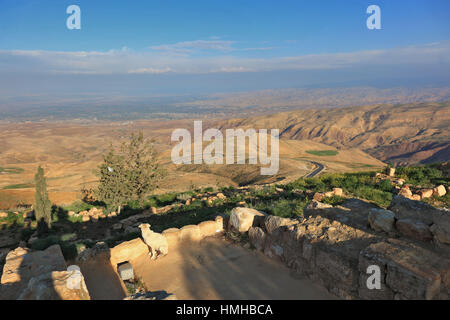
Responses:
[18,186]
[323,153]
[12,170]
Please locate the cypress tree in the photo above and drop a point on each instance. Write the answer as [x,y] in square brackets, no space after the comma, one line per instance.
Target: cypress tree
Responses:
[42,204]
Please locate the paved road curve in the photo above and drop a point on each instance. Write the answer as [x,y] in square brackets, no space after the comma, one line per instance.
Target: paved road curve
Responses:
[319,169]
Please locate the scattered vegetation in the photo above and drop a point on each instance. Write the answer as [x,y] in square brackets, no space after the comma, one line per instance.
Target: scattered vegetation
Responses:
[425,176]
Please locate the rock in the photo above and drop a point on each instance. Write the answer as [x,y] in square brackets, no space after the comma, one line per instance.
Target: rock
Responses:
[411,271]
[220,223]
[188,202]
[319,196]
[439,191]
[314,204]
[9,239]
[338,192]
[441,226]
[3,214]
[22,264]
[32,240]
[190,233]
[414,229]
[208,228]
[426,193]
[85,218]
[405,192]
[71,213]
[125,271]
[381,220]
[154,210]
[242,218]
[128,251]
[112,214]
[54,286]
[273,222]
[221,196]
[100,251]
[257,237]
[391,172]
[416,210]
[416,197]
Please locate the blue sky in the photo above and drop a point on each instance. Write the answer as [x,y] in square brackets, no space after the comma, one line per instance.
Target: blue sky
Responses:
[227,43]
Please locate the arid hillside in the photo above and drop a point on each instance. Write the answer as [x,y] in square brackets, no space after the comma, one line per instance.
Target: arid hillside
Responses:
[71,152]
[406,134]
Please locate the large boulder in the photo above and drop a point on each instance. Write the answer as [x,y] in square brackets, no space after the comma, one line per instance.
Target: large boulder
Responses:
[405,192]
[381,220]
[415,210]
[54,286]
[408,270]
[439,191]
[414,229]
[426,193]
[316,204]
[274,222]
[242,218]
[22,264]
[441,226]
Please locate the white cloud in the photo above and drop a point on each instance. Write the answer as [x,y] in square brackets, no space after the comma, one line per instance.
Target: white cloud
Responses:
[126,61]
[150,71]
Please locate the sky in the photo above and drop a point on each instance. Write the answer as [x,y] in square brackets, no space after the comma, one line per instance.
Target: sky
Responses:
[194,46]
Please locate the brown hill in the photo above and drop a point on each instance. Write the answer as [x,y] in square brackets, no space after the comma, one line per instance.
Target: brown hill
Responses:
[407,133]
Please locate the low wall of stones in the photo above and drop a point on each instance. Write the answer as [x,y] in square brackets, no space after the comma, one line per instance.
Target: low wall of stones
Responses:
[189,234]
[337,254]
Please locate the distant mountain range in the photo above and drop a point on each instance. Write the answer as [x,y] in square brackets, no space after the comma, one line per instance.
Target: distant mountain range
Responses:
[401,134]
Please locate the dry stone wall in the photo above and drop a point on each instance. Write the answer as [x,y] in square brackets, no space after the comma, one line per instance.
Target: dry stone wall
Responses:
[334,246]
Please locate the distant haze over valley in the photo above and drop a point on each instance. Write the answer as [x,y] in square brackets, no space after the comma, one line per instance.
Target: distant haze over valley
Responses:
[220,105]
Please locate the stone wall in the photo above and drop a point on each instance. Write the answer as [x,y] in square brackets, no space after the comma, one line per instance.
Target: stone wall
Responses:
[335,247]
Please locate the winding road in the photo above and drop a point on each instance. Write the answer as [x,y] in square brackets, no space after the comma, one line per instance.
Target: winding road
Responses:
[315,172]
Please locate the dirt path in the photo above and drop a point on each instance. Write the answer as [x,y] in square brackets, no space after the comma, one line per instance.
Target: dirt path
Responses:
[216,269]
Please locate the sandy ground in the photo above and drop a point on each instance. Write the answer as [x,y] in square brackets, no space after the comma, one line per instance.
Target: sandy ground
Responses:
[216,269]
